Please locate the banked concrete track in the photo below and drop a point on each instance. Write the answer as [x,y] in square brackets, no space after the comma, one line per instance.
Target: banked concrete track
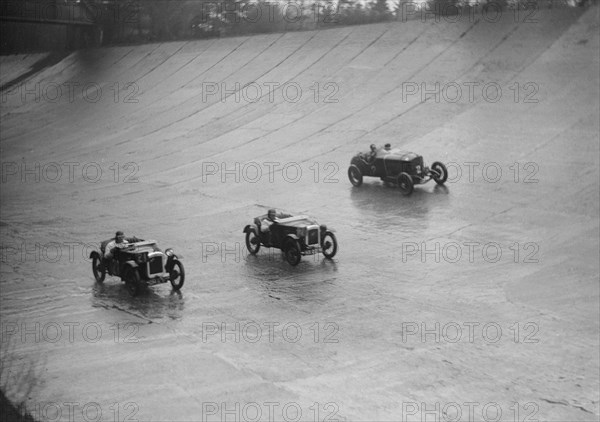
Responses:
[172,115]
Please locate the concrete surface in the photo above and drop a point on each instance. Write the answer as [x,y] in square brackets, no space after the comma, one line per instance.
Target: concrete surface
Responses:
[455,303]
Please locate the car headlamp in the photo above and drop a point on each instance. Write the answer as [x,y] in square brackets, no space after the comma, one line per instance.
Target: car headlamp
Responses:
[169,252]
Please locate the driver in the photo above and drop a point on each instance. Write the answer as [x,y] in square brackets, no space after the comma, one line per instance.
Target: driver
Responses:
[265,224]
[118,242]
[372,154]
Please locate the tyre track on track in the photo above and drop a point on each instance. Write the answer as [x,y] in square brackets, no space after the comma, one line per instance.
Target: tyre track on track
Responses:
[121,71]
[276,105]
[231,74]
[331,125]
[176,93]
[50,107]
[291,79]
[415,107]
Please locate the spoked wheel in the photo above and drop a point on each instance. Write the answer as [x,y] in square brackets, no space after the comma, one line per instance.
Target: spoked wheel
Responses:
[177,275]
[292,253]
[405,184]
[252,242]
[355,175]
[132,281]
[98,269]
[439,173]
[329,245]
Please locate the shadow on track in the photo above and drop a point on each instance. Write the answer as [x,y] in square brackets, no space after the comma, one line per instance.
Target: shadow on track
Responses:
[151,303]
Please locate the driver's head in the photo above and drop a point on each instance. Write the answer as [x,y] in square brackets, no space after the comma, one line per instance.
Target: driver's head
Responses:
[388,147]
[373,147]
[119,237]
[271,215]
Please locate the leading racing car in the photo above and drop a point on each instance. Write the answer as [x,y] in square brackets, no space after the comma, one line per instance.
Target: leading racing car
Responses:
[402,168]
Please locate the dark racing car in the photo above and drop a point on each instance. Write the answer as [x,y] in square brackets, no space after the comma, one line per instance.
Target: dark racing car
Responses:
[294,235]
[139,263]
[402,168]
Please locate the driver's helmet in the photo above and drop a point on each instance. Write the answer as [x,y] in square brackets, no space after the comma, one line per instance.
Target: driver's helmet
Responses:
[271,214]
[119,236]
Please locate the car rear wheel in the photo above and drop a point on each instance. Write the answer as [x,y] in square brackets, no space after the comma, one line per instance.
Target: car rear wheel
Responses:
[355,175]
[329,245]
[439,173]
[98,269]
[132,281]
[405,184]
[252,242]
[292,252]
[177,275]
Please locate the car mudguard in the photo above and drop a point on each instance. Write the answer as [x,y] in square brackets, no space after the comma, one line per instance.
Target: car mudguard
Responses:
[95,253]
[130,264]
[324,228]
[362,165]
[171,262]
[250,227]
[290,236]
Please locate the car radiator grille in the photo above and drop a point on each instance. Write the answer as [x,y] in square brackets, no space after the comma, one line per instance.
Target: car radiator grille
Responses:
[156,265]
[406,168]
[313,236]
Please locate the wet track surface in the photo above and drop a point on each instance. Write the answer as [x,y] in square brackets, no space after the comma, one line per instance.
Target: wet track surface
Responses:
[481,291]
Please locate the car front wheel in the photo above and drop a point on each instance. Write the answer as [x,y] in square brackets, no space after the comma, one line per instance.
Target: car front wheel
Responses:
[292,253]
[252,242]
[329,245]
[98,269]
[405,184]
[177,275]
[439,173]
[355,175]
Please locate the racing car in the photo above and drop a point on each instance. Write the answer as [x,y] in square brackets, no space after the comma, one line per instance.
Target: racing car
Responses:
[294,235]
[139,263]
[402,168]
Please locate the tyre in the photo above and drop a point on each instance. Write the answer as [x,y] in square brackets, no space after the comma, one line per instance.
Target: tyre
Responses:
[439,173]
[132,281]
[355,175]
[329,245]
[252,242]
[292,252]
[98,269]
[177,275]
[405,184]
